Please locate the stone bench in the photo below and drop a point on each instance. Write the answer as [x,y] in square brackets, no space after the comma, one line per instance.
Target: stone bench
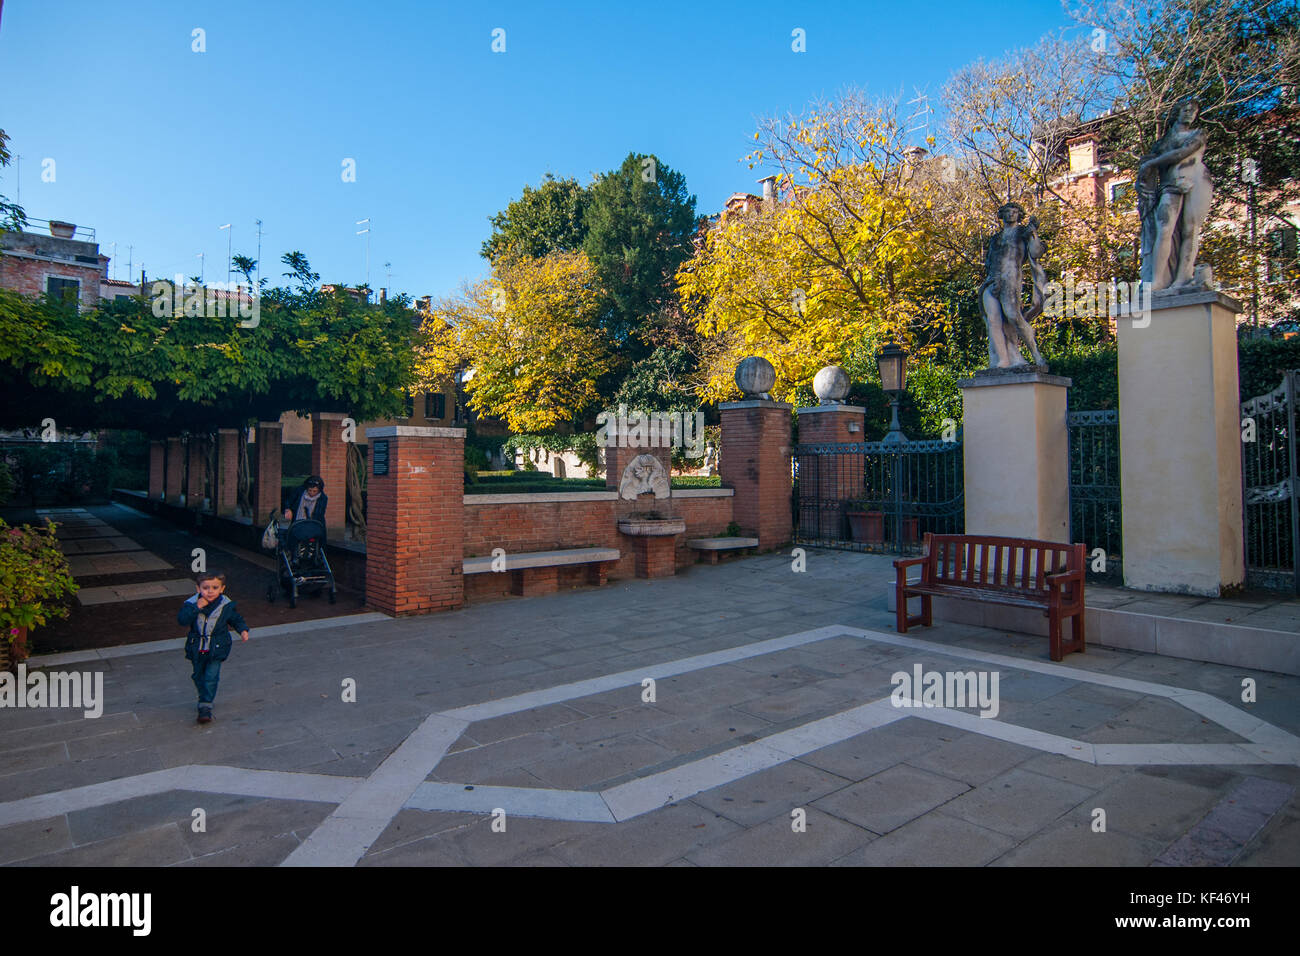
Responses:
[537,572]
[713,547]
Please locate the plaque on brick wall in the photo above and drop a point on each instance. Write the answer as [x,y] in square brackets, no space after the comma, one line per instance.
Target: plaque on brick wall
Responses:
[379,455]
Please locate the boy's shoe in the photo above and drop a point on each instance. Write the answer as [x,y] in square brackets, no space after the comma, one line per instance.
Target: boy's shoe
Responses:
[205,716]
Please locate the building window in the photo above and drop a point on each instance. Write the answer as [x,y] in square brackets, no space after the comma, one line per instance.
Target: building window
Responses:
[1120,192]
[1281,253]
[409,403]
[62,290]
[435,406]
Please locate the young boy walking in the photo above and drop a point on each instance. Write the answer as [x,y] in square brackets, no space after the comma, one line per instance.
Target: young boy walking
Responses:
[210,615]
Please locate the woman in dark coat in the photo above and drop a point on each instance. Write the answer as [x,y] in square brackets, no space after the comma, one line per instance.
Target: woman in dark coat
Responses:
[309,502]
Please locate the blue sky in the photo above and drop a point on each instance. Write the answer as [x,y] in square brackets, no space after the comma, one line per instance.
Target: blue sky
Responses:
[155,146]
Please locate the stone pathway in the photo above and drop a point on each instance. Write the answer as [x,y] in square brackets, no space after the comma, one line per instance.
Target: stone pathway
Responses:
[520,733]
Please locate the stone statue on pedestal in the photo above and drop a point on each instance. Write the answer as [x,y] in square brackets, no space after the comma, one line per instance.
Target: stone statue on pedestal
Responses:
[1004,262]
[1174,193]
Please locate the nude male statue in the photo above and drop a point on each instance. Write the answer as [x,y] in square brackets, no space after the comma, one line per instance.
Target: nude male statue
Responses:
[1174,193]
[1004,262]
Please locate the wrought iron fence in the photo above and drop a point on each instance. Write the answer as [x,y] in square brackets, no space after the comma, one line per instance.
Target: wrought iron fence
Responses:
[877,496]
[1269,487]
[1095,490]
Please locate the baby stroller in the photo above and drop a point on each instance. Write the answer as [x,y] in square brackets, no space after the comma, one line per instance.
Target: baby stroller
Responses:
[300,560]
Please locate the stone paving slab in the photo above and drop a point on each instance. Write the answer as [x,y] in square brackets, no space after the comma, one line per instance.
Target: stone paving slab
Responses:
[87,565]
[986,787]
[116,594]
[100,544]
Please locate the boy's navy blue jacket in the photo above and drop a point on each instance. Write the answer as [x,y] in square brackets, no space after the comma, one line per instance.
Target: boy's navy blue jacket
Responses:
[227,616]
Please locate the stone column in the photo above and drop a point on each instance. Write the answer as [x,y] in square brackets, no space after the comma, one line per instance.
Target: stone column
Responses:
[196,451]
[227,490]
[756,447]
[175,474]
[415,521]
[838,480]
[157,469]
[1180,445]
[269,470]
[1016,454]
[329,459]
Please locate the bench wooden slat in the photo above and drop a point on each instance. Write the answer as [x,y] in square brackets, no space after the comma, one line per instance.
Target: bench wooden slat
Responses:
[1030,586]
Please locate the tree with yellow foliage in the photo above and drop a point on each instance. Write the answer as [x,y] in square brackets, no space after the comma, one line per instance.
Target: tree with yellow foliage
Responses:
[834,268]
[530,336]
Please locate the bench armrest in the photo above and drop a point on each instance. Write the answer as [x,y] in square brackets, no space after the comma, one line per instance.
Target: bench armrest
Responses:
[1064,577]
[1055,582]
[900,568]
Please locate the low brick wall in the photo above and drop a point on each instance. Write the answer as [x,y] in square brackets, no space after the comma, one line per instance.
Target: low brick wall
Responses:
[554,522]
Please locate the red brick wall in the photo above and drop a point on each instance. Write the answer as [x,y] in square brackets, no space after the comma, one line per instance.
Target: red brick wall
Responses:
[329,459]
[558,525]
[269,470]
[175,470]
[756,441]
[157,459]
[27,277]
[196,451]
[227,471]
[415,522]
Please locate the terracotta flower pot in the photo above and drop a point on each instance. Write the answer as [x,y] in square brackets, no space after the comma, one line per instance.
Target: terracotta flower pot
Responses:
[867,526]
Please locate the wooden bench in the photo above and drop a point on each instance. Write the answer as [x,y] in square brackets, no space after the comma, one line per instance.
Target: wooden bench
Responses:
[713,547]
[1019,572]
[537,572]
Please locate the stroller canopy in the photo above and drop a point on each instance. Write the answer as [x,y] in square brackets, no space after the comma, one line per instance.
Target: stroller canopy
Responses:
[303,530]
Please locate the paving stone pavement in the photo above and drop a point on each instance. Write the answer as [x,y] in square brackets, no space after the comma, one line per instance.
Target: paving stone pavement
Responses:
[523,733]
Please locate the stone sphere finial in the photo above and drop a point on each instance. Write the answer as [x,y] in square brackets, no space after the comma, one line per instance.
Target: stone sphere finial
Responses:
[755,376]
[831,385]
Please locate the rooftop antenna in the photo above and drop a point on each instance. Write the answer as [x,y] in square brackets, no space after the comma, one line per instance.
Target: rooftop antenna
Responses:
[202,266]
[919,120]
[366,232]
[230,233]
[259,257]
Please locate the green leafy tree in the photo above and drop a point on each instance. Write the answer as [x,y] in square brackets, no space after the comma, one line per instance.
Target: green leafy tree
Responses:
[547,219]
[12,217]
[640,229]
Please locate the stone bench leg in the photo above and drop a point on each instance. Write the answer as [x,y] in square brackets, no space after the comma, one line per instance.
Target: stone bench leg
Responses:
[598,573]
[530,582]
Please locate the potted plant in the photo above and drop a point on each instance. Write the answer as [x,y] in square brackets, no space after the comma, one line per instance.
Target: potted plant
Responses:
[868,526]
[34,575]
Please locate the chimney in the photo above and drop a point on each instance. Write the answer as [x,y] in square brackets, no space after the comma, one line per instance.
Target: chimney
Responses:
[383,295]
[769,189]
[914,154]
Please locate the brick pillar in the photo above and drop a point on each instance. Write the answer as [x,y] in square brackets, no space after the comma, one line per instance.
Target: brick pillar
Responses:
[329,459]
[836,480]
[175,473]
[196,449]
[755,462]
[157,469]
[415,520]
[227,490]
[269,472]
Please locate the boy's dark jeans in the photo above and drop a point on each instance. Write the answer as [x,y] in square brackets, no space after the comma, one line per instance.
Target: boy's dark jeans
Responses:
[206,675]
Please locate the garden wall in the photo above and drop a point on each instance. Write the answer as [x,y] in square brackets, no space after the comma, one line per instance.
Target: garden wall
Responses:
[554,522]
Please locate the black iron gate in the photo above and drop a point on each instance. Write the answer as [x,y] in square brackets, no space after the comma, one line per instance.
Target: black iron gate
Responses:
[1269,487]
[877,496]
[1095,490]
